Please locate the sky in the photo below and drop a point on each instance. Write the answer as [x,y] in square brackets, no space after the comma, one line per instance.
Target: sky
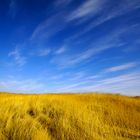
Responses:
[49,46]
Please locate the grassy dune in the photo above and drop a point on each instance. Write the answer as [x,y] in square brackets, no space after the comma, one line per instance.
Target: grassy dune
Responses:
[69,117]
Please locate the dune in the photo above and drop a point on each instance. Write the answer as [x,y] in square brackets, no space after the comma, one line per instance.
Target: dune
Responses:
[88,116]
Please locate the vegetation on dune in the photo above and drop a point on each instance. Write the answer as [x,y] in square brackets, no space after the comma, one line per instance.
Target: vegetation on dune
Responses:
[69,117]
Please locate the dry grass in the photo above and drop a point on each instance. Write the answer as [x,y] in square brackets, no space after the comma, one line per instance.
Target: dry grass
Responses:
[69,117]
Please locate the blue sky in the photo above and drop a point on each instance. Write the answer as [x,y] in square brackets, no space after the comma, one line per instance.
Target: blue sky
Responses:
[70,46]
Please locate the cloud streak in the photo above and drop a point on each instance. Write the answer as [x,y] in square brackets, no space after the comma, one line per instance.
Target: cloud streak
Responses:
[106,42]
[124,7]
[21,86]
[48,27]
[43,52]
[88,8]
[101,12]
[121,83]
[60,50]
[18,58]
[121,67]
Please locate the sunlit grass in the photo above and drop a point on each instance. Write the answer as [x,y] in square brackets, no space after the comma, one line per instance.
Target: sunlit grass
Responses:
[69,117]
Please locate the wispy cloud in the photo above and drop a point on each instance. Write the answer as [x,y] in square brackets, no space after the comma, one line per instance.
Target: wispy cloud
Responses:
[121,67]
[121,78]
[46,51]
[18,58]
[121,84]
[66,61]
[87,54]
[124,7]
[93,49]
[43,52]
[100,13]
[88,8]
[21,86]
[48,27]
[60,50]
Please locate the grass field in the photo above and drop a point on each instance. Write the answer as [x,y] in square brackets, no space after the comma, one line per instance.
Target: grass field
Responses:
[69,117]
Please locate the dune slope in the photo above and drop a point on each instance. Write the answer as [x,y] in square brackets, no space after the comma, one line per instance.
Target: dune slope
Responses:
[69,117]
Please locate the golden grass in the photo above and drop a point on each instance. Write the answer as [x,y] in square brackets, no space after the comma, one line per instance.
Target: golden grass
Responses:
[69,117]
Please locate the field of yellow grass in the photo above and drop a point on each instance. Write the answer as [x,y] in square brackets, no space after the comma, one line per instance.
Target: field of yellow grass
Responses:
[69,117]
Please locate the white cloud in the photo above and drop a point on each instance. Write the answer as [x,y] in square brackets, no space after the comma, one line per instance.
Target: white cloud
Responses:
[104,11]
[80,57]
[123,7]
[43,52]
[87,54]
[19,59]
[47,51]
[21,86]
[60,50]
[89,7]
[123,84]
[121,67]
[121,78]
[93,49]
[48,27]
